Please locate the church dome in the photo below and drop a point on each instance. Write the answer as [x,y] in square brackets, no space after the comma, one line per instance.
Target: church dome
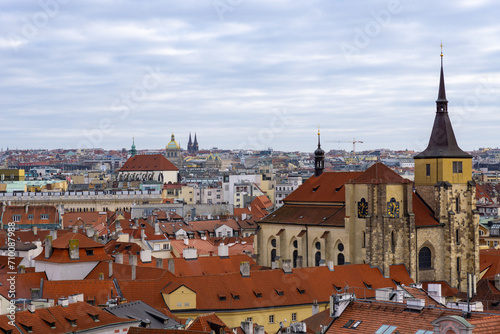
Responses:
[172,145]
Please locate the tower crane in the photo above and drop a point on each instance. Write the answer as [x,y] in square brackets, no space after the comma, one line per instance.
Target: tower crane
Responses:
[353,141]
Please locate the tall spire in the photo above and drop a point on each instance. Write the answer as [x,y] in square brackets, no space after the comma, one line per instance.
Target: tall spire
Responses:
[442,143]
[133,151]
[319,158]
[441,102]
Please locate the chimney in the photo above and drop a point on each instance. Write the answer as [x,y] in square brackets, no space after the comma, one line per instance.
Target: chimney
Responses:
[247,327]
[223,251]
[35,230]
[245,269]
[330,266]
[186,241]
[26,208]
[31,308]
[143,233]
[287,266]
[136,223]
[157,228]
[299,261]
[48,246]
[259,329]
[110,270]
[146,255]
[119,258]
[497,281]
[74,249]
[118,226]
[63,302]
[75,228]
[134,272]
[132,260]
[171,266]
[159,263]
[90,231]
[53,234]
[95,237]
[190,253]
[274,265]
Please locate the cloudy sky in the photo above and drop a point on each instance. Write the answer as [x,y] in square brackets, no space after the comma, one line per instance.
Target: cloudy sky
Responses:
[246,73]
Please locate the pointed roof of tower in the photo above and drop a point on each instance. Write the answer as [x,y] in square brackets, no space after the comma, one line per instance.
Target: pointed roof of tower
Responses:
[319,151]
[195,140]
[190,142]
[442,143]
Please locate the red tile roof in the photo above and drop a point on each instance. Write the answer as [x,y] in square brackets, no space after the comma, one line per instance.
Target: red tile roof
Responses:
[100,291]
[328,187]
[424,215]
[208,322]
[84,218]
[324,215]
[399,273]
[374,314]
[24,283]
[83,241]
[209,265]
[489,262]
[154,162]
[35,210]
[380,173]
[81,313]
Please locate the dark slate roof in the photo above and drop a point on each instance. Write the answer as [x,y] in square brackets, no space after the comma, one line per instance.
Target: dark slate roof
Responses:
[442,143]
[142,311]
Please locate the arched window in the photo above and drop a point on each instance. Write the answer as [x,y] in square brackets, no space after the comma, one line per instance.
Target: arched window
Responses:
[295,257]
[424,258]
[317,259]
[340,259]
[273,255]
[318,245]
[273,242]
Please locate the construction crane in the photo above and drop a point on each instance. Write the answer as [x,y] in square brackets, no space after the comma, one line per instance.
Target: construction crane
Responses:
[353,141]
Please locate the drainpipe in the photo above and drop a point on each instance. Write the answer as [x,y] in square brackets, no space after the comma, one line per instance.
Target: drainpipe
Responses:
[307,246]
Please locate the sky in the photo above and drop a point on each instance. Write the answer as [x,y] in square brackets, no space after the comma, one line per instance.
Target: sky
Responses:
[247,74]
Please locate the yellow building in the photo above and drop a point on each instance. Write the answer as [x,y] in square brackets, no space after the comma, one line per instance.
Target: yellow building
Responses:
[12,175]
[380,218]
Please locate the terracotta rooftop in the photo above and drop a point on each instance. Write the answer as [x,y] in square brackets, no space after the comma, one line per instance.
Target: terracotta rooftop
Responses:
[76,317]
[297,214]
[328,187]
[98,291]
[154,162]
[380,173]
[207,323]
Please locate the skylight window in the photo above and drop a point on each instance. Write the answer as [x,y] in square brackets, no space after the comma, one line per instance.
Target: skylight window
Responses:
[385,329]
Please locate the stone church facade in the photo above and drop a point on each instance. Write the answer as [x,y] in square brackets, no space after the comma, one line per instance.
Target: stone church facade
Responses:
[380,218]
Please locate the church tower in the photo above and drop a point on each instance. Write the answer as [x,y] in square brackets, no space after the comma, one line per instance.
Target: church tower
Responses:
[133,151]
[319,159]
[195,144]
[443,179]
[190,144]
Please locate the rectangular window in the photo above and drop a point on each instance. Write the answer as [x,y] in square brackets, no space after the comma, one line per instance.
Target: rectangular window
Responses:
[44,216]
[428,170]
[271,319]
[31,217]
[294,316]
[457,167]
[16,218]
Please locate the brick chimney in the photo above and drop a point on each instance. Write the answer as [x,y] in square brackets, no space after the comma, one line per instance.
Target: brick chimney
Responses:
[48,246]
[134,272]
[132,260]
[74,249]
[223,251]
[159,263]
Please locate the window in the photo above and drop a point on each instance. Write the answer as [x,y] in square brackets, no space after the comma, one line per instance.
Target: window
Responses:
[457,167]
[340,259]
[340,247]
[385,329]
[249,319]
[294,316]
[317,259]
[16,218]
[271,319]
[31,217]
[89,252]
[428,170]
[318,245]
[273,242]
[44,216]
[457,237]
[424,258]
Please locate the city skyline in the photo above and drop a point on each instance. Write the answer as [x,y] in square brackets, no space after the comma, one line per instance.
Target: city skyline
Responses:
[83,75]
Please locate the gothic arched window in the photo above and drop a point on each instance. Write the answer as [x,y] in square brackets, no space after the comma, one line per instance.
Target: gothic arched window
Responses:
[424,258]
[317,259]
[340,259]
